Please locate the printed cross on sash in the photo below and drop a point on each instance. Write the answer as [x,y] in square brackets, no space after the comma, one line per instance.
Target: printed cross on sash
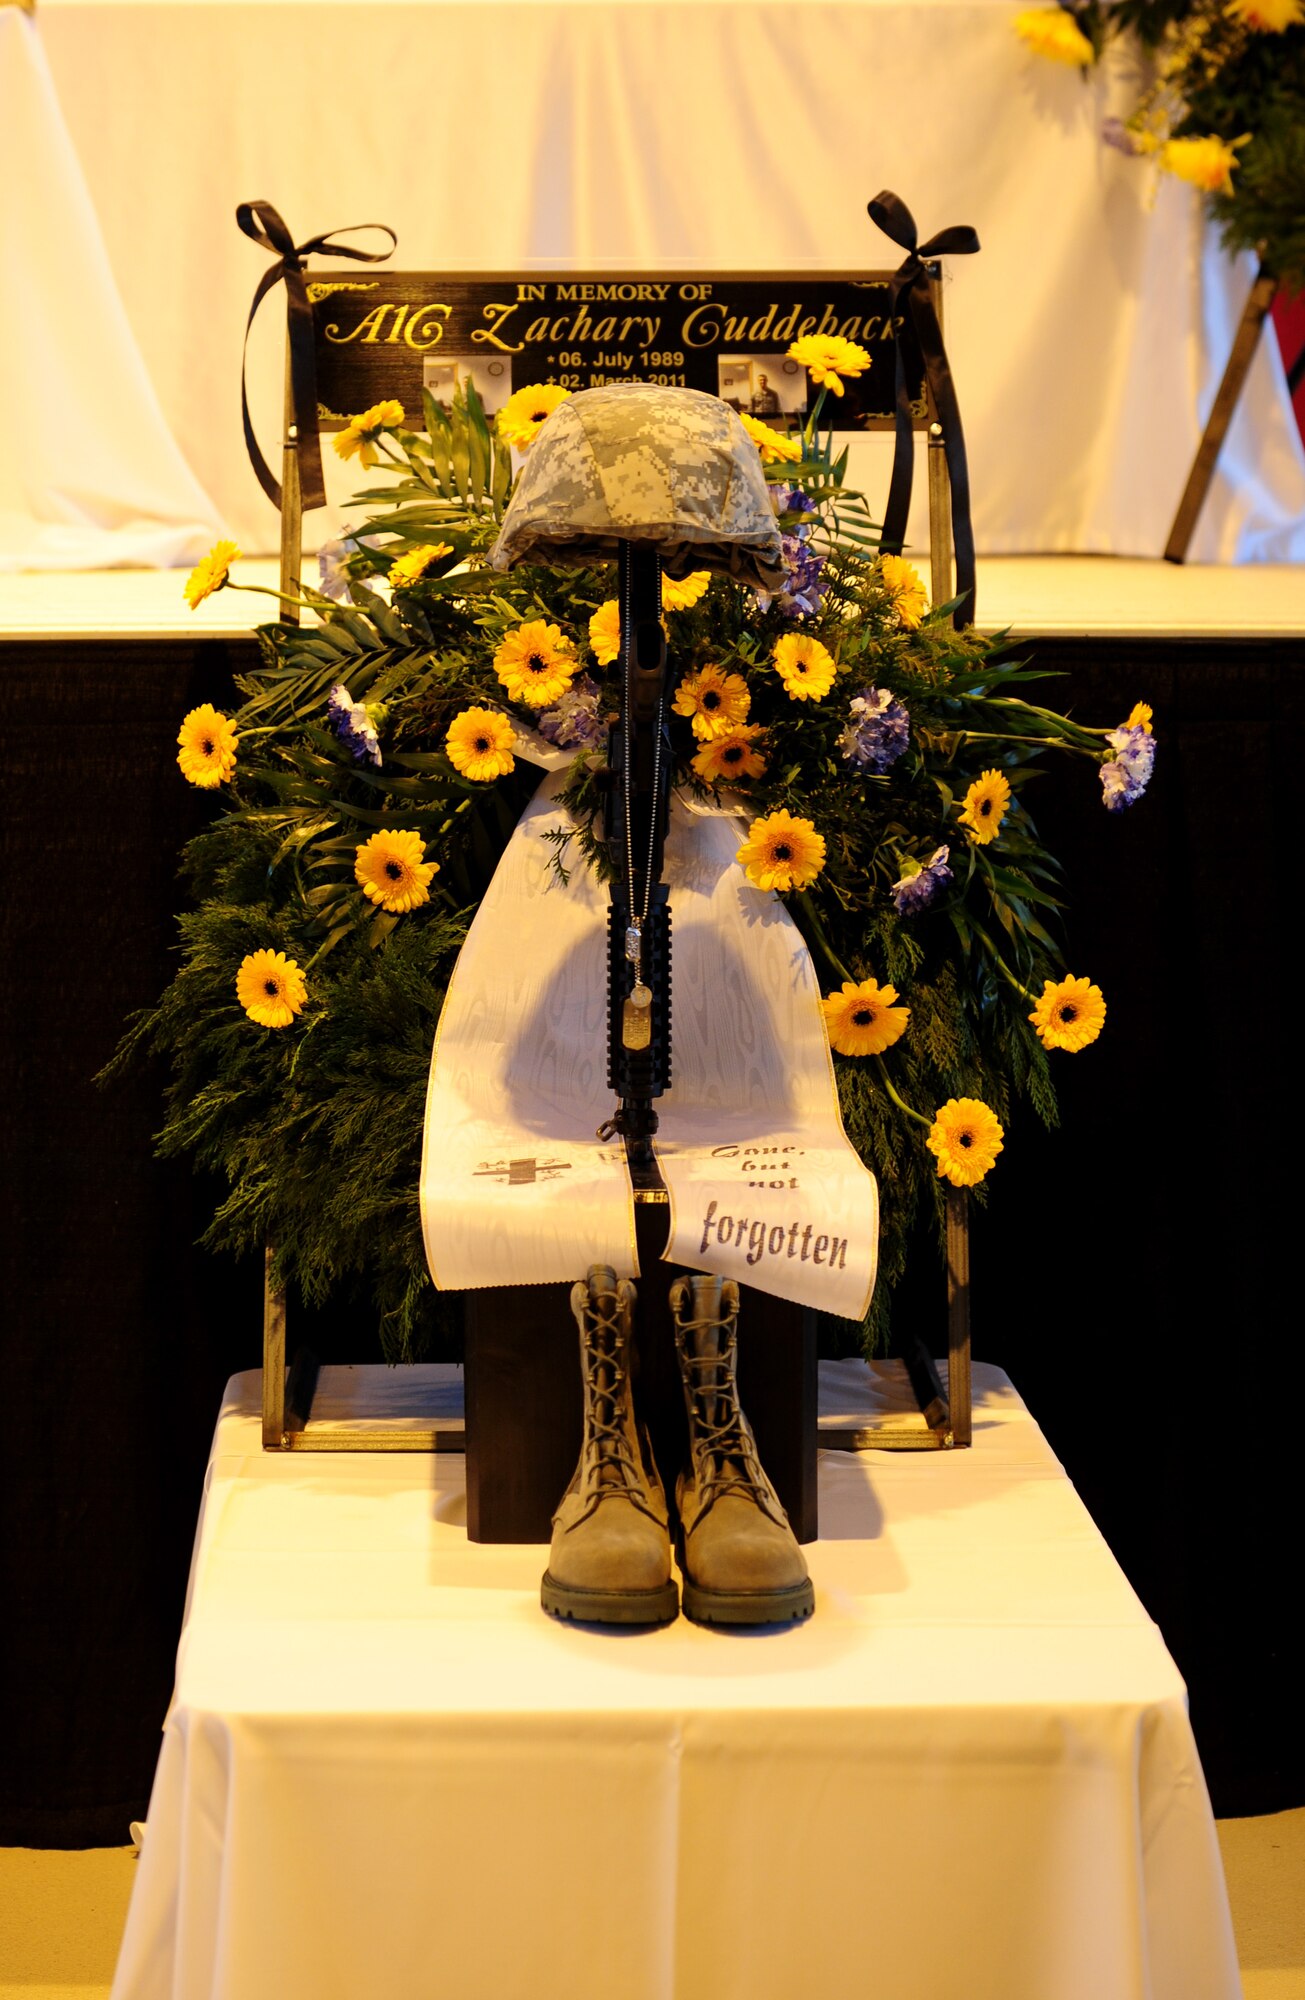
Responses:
[520,1173]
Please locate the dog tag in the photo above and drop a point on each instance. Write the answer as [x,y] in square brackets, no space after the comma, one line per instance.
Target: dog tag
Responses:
[636,1017]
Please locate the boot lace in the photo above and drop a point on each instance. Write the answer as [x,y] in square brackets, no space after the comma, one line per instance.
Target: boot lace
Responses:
[724,1450]
[611,1465]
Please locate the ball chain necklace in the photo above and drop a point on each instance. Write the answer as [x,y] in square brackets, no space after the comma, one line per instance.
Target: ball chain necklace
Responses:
[636,1011]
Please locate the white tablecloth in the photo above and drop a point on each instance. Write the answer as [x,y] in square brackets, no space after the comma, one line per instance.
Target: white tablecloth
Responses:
[385,1773]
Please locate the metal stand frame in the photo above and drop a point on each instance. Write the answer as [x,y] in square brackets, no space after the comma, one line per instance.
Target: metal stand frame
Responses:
[288,1394]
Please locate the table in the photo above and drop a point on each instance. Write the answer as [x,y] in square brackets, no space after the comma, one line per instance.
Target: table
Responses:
[384,1772]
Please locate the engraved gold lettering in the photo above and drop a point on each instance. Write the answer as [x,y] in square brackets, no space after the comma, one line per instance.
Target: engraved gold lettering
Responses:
[367,330]
[578,327]
[701,327]
[426,324]
[497,313]
[531,292]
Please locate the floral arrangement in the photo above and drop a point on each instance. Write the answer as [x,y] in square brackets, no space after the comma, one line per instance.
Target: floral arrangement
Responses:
[882,763]
[1223,105]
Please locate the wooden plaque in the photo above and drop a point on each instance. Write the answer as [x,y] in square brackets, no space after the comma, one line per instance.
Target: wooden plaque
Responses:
[393,333]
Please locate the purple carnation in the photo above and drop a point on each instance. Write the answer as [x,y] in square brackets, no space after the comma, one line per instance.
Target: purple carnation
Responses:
[333,569]
[353,725]
[1115,133]
[791,500]
[1125,776]
[915,893]
[573,723]
[879,730]
[803,585]
[334,560]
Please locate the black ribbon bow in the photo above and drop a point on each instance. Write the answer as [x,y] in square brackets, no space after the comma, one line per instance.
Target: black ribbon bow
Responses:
[263,224]
[911,297]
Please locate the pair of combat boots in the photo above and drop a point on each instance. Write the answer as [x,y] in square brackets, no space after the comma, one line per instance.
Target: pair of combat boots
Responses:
[610,1558]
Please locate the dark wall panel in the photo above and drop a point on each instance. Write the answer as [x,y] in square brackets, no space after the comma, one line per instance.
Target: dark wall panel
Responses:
[1133,1271]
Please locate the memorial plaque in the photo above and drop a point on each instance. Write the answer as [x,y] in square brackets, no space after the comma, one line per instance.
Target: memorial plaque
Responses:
[395,333]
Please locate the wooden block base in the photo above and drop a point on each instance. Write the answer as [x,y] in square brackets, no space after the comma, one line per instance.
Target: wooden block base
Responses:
[525,1406]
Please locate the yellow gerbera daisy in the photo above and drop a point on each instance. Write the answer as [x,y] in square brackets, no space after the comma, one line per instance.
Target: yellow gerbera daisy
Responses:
[479,744]
[781,852]
[1053,32]
[210,573]
[965,1139]
[713,700]
[729,754]
[774,446]
[1207,163]
[1070,1014]
[270,987]
[391,869]
[806,667]
[535,663]
[905,585]
[406,569]
[208,747]
[360,433]
[984,806]
[523,415]
[1139,717]
[827,357]
[605,632]
[1267,17]
[679,596]
[861,1019]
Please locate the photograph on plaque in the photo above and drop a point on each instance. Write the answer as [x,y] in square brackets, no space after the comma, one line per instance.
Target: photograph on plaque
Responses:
[763,385]
[442,374]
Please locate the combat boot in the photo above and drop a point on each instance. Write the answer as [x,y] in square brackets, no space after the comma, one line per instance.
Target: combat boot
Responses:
[740,1558]
[610,1558]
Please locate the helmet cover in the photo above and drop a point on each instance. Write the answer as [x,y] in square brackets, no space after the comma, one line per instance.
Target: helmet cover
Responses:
[647,464]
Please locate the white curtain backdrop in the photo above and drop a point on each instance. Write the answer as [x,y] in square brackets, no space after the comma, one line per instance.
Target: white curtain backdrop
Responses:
[90,475]
[1087,338]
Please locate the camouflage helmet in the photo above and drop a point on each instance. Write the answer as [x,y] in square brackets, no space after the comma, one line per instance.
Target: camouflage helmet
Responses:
[638,462]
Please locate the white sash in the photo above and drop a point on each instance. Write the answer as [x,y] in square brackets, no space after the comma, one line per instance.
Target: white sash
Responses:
[764,1186]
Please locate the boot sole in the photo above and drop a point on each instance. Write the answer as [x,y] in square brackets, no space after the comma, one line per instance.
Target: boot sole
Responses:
[749,1607]
[609,1607]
